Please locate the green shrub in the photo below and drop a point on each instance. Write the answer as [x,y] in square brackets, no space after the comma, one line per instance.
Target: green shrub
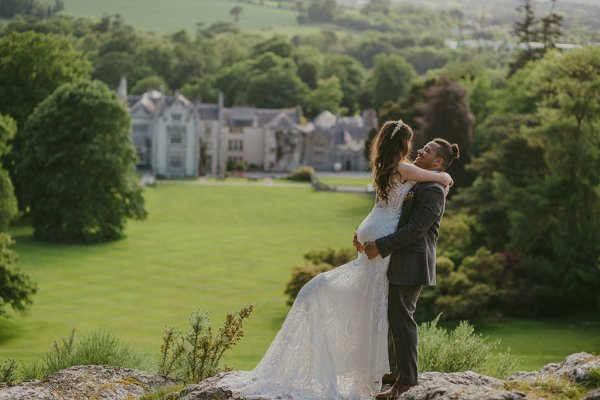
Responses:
[97,348]
[9,372]
[303,174]
[301,274]
[196,354]
[461,349]
[331,256]
[592,378]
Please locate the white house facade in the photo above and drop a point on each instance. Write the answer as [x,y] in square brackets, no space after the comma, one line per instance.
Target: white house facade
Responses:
[176,138]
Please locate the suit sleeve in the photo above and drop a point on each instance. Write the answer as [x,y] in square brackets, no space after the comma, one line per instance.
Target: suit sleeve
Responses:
[429,205]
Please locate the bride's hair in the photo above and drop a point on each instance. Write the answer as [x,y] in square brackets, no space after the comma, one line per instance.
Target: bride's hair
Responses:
[391,146]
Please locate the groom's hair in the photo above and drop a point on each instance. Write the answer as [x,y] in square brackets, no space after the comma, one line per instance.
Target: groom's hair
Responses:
[446,151]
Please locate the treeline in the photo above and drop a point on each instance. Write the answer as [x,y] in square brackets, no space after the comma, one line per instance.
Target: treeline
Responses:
[32,8]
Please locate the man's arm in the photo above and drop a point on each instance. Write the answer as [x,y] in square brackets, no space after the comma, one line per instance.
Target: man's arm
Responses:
[429,205]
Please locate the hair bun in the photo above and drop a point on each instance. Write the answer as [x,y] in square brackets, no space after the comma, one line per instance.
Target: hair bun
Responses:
[455,151]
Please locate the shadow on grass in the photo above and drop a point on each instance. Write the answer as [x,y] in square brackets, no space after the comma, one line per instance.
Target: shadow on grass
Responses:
[9,329]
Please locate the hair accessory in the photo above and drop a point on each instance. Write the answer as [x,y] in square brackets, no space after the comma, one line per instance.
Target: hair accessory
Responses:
[397,128]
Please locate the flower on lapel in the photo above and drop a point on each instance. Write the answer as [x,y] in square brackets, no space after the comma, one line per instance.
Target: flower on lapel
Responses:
[409,196]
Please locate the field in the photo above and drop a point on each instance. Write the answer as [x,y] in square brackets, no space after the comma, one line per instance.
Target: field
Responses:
[215,248]
[161,16]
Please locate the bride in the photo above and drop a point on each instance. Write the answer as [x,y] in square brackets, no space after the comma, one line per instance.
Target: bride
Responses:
[334,342]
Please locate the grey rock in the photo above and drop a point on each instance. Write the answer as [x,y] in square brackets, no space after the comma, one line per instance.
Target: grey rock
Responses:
[574,367]
[88,382]
[593,395]
[433,386]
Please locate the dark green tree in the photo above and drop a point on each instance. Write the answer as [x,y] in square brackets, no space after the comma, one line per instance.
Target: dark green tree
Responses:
[351,75]
[79,166]
[326,97]
[32,66]
[446,114]
[8,202]
[390,79]
[152,82]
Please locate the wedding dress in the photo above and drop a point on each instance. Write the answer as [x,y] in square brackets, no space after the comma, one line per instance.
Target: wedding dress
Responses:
[333,342]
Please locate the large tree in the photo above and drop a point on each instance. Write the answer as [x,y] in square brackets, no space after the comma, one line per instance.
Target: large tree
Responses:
[32,66]
[79,166]
[16,288]
[351,75]
[446,114]
[390,79]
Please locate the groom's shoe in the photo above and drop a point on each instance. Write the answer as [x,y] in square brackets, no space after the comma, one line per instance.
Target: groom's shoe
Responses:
[392,393]
[389,379]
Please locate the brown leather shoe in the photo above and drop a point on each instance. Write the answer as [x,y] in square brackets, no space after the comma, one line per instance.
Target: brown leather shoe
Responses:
[392,393]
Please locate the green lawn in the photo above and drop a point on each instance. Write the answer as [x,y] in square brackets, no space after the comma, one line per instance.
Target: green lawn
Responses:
[215,248]
[333,181]
[165,16]
[205,247]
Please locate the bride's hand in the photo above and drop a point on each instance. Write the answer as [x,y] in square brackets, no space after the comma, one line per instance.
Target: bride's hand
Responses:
[447,179]
[357,245]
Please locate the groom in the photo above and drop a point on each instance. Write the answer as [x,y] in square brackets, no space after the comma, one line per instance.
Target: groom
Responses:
[412,264]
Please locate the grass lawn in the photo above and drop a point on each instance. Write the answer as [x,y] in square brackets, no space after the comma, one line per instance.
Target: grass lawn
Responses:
[333,181]
[215,248]
[204,247]
[166,16]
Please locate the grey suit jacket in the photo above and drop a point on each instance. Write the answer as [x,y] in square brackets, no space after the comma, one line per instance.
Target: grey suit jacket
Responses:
[412,246]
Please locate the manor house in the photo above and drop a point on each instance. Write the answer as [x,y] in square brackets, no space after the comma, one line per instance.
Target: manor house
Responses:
[176,138]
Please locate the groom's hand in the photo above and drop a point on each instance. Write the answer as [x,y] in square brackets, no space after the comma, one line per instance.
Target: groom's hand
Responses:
[371,250]
[357,245]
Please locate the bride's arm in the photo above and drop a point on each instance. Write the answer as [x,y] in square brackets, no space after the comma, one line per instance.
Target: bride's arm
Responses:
[410,172]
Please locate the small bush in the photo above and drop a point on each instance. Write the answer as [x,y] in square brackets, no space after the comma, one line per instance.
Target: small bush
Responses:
[461,350]
[97,348]
[9,372]
[547,388]
[592,379]
[301,274]
[196,354]
[302,174]
[331,256]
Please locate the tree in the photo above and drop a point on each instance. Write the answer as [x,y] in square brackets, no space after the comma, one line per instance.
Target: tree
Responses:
[446,114]
[152,82]
[16,288]
[351,75]
[326,97]
[32,66]
[321,11]
[8,202]
[390,79]
[83,192]
[236,11]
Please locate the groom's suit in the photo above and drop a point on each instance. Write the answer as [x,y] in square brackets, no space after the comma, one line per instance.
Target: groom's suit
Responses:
[412,265]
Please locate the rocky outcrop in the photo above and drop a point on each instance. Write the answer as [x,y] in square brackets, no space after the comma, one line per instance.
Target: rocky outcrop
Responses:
[88,382]
[104,382]
[432,386]
[575,368]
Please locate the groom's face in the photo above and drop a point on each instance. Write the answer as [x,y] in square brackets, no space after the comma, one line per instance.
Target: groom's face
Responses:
[427,157]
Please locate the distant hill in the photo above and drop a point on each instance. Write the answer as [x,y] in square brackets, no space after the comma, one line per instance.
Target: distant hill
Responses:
[164,16]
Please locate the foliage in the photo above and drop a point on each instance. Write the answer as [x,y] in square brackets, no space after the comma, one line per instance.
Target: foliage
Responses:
[80,193]
[196,354]
[592,378]
[390,79]
[16,288]
[152,82]
[9,372]
[317,262]
[351,77]
[327,96]
[302,174]
[446,114]
[461,349]
[548,388]
[8,202]
[301,274]
[97,348]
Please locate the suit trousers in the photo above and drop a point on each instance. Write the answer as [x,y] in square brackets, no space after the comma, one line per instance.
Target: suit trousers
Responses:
[403,334]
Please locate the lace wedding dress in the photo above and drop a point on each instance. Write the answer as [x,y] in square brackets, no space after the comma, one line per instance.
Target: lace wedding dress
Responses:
[333,342]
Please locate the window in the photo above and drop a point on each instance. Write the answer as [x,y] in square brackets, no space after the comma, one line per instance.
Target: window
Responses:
[236,145]
[141,128]
[208,129]
[176,134]
[176,160]
[237,129]
[176,117]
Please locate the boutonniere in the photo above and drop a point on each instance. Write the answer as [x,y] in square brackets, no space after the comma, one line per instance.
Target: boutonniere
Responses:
[409,195]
